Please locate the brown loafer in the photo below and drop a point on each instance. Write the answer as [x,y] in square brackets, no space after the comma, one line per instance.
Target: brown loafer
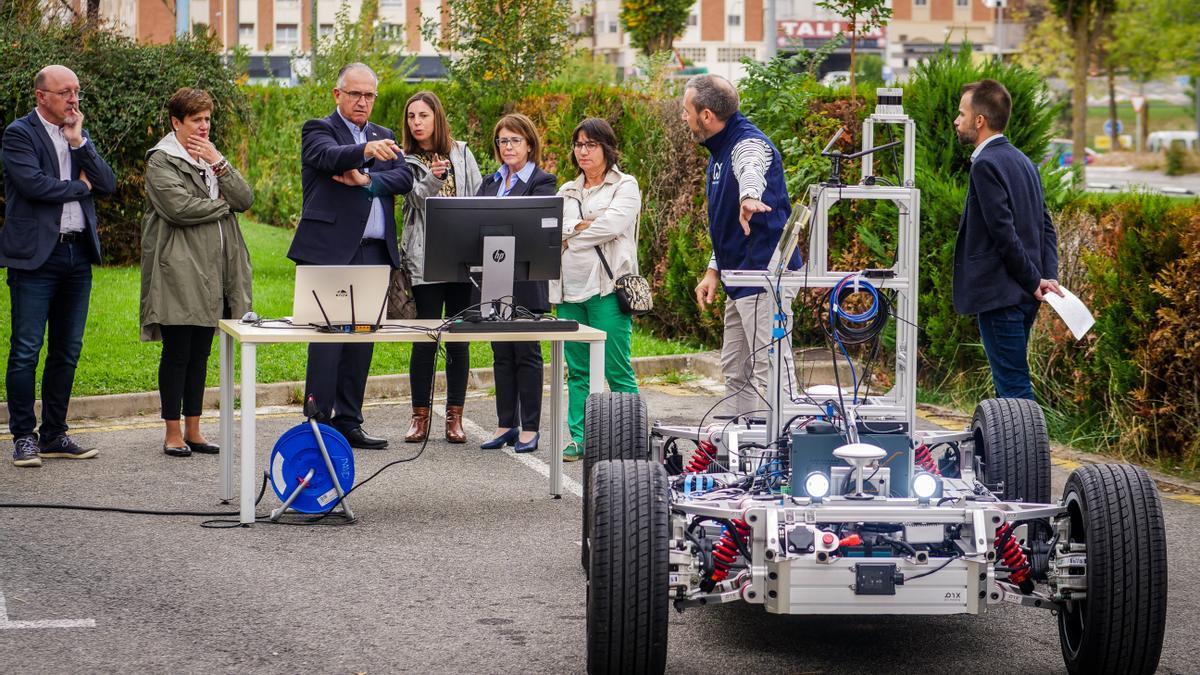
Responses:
[418,429]
[454,427]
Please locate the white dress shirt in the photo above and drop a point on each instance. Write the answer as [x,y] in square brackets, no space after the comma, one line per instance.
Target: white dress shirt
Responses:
[72,213]
[374,228]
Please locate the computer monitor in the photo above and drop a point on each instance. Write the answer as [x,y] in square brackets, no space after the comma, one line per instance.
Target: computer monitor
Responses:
[507,238]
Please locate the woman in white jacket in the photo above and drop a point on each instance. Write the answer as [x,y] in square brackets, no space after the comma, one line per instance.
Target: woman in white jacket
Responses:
[442,167]
[600,218]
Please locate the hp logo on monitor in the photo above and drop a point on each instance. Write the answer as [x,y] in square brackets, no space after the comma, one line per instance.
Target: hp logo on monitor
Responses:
[498,255]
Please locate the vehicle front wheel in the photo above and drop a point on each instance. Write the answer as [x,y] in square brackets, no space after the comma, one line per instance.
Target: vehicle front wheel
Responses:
[1116,517]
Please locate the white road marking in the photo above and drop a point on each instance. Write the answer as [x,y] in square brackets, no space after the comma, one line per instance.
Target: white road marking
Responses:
[528,459]
[5,624]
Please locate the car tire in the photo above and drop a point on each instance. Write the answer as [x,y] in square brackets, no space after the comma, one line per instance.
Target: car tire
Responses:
[1013,448]
[1116,512]
[615,427]
[628,592]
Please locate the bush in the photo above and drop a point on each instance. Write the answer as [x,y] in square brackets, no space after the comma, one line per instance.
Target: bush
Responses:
[123,119]
[1175,156]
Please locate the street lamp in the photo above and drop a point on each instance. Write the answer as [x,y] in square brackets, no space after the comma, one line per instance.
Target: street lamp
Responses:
[999,6]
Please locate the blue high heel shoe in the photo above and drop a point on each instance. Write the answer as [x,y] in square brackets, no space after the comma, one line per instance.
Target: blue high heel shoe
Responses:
[531,446]
[507,438]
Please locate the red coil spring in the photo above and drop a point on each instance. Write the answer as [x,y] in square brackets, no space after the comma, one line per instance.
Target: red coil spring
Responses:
[705,454]
[924,459]
[726,550]
[1014,558]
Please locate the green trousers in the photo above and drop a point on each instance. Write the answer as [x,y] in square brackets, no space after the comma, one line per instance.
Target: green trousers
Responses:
[602,313]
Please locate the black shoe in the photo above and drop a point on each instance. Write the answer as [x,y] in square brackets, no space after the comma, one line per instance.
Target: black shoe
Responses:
[203,448]
[359,439]
[177,452]
[65,448]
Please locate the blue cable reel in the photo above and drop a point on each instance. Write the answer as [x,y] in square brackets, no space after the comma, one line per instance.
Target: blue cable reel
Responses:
[296,453]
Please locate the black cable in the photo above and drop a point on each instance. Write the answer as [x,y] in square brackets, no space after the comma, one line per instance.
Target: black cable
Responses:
[143,512]
[933,571]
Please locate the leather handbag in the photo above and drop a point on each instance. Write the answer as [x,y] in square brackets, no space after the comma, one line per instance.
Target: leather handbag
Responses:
[400,302]
[633,291]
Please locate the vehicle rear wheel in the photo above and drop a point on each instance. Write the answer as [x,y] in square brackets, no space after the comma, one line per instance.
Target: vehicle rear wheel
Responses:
[1116,513]
[615,427]
[628,593]
[1013,448]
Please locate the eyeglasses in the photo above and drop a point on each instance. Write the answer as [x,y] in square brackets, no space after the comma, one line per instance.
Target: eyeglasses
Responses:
[368,96]
[590,146]
[514,142]
[66,93]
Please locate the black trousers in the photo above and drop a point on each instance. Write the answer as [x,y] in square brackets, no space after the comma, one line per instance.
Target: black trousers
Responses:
[518,370]
[182,368]
[336,376]
[432,300]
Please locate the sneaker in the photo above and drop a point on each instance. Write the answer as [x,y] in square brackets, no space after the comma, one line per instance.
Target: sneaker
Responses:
[65,448]
[573,452]
[25,452]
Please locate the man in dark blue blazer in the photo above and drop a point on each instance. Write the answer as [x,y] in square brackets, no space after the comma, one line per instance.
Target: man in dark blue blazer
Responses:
[1006,255]
[49,244]
[351,171]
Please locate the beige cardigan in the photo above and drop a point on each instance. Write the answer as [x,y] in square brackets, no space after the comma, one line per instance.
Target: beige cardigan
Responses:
[614,207]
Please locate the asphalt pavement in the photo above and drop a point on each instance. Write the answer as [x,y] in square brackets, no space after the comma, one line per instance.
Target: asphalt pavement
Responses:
[459,562]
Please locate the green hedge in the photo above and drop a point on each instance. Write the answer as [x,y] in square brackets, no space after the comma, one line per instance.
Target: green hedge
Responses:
[127,86]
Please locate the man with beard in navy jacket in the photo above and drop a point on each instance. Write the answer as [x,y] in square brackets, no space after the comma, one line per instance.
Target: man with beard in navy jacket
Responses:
[1006,254]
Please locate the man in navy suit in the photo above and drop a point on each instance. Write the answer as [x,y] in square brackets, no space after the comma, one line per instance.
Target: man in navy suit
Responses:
[49,244]
[1006,255]
[351,171]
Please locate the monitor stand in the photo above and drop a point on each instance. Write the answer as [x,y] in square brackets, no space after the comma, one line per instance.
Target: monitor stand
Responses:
[498,259]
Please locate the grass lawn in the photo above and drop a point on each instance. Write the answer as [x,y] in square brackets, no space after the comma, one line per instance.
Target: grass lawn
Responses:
[114,360]
[1162,117]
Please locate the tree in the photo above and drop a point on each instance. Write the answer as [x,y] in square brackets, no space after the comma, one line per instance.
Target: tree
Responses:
[653,25]
[357,40]
[504,44]
[1086,21]
[863,15]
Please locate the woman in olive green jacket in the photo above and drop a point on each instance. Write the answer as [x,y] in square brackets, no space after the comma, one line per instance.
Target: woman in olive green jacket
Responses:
[195,266]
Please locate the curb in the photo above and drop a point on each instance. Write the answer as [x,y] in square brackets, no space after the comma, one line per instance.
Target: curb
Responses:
[393,386]
[1066,457]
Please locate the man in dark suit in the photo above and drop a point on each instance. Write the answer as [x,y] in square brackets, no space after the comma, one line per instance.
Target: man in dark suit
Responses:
[49,244]
[1006,255]
[351,171]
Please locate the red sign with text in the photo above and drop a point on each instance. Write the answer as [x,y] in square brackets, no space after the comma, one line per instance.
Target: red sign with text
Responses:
[822,30]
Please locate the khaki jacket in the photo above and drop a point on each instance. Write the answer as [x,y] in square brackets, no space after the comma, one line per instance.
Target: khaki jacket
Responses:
[194,259]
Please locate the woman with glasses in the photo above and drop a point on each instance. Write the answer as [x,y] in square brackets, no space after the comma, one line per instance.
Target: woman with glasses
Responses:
[195,265]
[442,167]
[518,365]
[600,218]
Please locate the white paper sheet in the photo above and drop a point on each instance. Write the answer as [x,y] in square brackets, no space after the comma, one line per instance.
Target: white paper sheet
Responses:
[1073,312]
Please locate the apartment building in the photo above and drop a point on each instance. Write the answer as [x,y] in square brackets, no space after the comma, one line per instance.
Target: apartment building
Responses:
[718,34]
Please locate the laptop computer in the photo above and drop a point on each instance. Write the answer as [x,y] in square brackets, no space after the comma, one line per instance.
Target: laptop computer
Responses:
[341,298]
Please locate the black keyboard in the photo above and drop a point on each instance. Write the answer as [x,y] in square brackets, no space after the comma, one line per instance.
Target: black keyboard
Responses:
[513,326]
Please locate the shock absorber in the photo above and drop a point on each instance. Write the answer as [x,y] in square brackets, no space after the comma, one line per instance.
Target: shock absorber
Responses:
[924,459]
[705,454]
[725,552]
[1009,551]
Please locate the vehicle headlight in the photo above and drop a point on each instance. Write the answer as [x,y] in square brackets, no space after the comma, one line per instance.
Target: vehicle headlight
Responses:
[816,485]
[926,486]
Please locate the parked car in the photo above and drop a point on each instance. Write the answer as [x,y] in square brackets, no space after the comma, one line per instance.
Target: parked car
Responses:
[1162,140]
[835,78]
[1061,152]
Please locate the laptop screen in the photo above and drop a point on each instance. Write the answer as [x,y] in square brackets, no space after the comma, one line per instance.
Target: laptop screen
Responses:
[339,294]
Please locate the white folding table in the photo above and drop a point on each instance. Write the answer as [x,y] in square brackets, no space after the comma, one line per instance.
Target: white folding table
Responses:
[251,336]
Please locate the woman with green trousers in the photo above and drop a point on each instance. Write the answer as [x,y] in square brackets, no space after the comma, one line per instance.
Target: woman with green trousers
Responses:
[600,218]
